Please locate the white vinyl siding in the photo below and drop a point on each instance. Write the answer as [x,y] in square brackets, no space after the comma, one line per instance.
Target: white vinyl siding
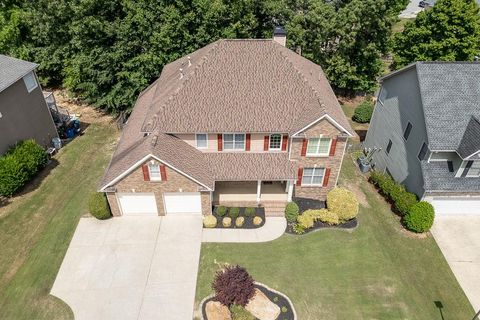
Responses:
[201,140]
[30,81]
[233,141]
[318,146]
[154,172]
[313,176]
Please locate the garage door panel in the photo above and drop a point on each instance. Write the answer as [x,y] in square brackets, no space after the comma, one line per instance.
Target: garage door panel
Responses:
[138,204]
[456,206]
[183,202]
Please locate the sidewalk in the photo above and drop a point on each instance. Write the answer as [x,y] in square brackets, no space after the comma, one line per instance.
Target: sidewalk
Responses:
[273,228]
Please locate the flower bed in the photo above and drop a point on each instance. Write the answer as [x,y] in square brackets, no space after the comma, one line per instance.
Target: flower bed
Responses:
[238,217]
[287,311]
[318,225]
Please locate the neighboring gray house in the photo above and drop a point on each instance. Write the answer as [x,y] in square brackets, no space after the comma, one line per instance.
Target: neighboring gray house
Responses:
[427,124]
[24,114]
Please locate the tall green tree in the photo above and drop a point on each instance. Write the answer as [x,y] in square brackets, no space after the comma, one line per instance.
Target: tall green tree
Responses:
[450,31]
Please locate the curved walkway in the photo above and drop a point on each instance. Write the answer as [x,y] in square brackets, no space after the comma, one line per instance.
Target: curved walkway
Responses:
[273,228]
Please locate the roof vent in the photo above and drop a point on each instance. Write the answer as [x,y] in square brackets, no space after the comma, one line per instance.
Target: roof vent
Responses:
[181,73]
[280,35]
[475,58]
[189,62]
[154,140]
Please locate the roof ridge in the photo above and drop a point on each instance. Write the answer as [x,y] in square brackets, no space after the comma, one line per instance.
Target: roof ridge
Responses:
[197,66]
[302,76]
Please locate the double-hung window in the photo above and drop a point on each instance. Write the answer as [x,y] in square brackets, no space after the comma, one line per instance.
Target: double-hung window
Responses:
[30,81]
[407,131]
[154,172]
[201,140]
[423,152]
[275,142]
[313,176]
[319,146]
[234,141]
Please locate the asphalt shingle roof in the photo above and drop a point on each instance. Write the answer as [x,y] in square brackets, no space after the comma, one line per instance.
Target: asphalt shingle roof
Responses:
[12,69]
[226,86]
[437,177]
[470,143]
[451,96]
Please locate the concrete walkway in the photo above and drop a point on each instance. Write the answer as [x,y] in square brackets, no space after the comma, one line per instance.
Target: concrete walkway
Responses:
[273,228]
[458,237]
[132,268]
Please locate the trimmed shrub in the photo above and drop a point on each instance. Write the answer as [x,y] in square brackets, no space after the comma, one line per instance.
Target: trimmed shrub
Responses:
[239,221]
[298,229]
[404,201]
[19,165]
[420,217]
[291,212]
[98,206]
[323,215]
[221,211]
[305,220]
[240,313]
[233,285]
[363,113]
[257,221]
[210,221]
[376,177]
[343,203]
[387,186]
[227,222]
[234,212]
[250,212]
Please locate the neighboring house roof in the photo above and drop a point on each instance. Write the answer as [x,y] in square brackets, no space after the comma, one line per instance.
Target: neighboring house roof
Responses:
[450,94]
[226,86]
[12,70]
[470,143]
[437,177]
[241,85]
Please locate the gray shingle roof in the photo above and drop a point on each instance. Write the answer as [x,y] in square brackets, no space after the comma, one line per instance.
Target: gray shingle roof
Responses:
[12,69]
[437,177]
[451,96]
[470,143]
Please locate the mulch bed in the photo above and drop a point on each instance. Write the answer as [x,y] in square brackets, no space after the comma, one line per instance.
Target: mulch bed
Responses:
[248,224]
[276,298]
[350,224]
[305,204]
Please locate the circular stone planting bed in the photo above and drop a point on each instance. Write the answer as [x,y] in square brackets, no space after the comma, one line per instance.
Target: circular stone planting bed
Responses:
[350,224]
[248,217]
[265,304]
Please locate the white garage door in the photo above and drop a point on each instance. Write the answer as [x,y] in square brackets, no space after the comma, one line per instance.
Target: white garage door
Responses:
[137,204]
[183,202]
[456,206]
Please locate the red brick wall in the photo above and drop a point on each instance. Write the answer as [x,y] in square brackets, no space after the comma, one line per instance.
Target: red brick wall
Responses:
[175,182]
[325,128]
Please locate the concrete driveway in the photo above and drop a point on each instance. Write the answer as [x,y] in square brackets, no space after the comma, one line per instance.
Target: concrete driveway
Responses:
[458,236]
[132,268]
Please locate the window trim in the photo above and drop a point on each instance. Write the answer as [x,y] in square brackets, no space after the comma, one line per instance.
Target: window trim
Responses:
[206,140]
[34,79]
[234,134]
[409,132]
[159,178]
[420,150]
[389,146]
[313,184]
[323,155]
[270,142]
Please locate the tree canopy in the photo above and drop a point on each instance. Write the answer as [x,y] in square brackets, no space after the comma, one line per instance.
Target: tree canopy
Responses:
[450,31]
[107,51]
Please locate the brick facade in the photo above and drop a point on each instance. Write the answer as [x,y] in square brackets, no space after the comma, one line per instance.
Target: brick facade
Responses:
[326,129]
[176,182]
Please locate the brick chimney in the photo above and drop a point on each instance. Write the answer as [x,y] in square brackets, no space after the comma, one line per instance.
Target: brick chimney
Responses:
[280,35]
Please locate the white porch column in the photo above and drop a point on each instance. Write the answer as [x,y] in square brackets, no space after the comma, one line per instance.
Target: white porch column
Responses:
[259,190]
[290,190]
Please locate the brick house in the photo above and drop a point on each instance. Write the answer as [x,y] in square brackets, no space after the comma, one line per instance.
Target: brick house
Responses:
[238,122]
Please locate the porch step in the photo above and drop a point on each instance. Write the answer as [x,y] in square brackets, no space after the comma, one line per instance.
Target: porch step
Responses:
[274,209]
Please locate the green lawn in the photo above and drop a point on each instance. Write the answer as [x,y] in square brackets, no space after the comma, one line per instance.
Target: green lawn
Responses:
[36,228]
[378,271]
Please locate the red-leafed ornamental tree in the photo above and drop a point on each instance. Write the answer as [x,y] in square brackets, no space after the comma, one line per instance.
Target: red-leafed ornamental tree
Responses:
[233,285]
